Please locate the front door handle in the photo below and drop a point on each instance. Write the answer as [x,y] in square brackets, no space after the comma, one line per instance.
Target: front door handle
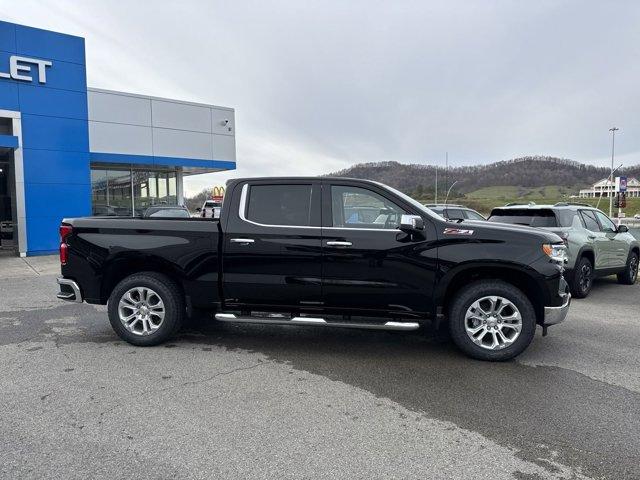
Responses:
[242,241]
[591,237]
[339,244]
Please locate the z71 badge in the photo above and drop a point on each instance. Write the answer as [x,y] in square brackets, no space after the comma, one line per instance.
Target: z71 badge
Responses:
[457,231]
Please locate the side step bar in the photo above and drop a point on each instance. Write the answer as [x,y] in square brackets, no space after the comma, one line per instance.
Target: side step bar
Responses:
[403,326]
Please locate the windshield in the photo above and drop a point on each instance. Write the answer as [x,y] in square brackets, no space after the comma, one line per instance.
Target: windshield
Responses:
[415,203]
[171,213]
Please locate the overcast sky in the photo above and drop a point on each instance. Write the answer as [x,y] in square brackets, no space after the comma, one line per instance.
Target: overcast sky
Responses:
[318,86]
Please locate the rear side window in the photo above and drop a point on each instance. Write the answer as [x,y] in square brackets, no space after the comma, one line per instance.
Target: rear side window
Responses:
[590,221]
[280,204]
[565,217]
[541,217]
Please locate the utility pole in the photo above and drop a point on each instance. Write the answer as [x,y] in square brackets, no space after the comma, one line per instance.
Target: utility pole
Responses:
[446,171]
[436,183]
[613,131]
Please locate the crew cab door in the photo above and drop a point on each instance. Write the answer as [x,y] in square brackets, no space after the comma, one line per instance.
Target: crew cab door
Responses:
[618,249]
[368,264]
[272,245]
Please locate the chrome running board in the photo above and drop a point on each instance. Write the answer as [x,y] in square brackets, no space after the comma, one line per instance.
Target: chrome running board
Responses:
[313,321]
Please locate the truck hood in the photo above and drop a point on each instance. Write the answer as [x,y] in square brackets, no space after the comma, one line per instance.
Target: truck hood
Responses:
[492,229]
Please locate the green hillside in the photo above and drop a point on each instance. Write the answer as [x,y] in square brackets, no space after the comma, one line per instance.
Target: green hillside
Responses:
[484,199]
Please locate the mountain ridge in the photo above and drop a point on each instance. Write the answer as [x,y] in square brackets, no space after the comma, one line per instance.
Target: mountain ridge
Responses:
[527,171]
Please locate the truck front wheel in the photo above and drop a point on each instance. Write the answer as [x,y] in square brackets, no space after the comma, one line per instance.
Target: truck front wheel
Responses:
[491,320]
[146,309]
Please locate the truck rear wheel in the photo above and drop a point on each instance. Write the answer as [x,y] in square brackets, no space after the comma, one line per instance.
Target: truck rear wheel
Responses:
[491,320]
[146,309]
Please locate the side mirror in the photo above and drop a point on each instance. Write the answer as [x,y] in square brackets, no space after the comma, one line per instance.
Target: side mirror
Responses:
[411,223]
[622,228]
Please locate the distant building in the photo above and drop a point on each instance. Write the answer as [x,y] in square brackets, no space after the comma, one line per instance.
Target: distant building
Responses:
[606,188]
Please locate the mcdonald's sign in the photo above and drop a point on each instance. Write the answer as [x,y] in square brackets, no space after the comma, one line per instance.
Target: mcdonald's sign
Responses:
[218,194]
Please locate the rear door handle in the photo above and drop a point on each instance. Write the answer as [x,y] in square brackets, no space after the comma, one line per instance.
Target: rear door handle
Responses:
[591,237]
[339,244]
[242,241]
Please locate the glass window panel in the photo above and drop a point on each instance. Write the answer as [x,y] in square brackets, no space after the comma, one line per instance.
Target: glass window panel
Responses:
[590,221]
[99,202]
[355,207]
[280,204]
[162,187]
[119,191]
[607,224]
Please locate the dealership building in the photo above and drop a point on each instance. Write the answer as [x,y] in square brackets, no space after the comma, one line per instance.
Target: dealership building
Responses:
[67,150]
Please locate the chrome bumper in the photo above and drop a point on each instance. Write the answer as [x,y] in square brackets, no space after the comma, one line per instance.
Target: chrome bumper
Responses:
[69,290]
[555,315]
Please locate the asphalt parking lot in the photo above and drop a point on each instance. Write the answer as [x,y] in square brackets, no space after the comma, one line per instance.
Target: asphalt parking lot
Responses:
[226,401]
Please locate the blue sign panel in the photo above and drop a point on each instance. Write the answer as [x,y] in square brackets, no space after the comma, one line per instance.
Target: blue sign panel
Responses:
[43,76]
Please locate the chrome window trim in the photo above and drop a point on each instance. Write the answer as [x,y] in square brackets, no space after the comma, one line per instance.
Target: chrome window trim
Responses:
[243,208]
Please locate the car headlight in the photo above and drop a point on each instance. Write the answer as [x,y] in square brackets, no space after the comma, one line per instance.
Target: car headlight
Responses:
[557,252]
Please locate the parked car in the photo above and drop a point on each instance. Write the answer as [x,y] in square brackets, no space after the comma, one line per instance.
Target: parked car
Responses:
[455,212]
[167,211]
[284,252]
[210,209]
[596,246]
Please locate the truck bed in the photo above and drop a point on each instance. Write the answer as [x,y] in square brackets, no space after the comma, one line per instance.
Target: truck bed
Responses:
[184,248]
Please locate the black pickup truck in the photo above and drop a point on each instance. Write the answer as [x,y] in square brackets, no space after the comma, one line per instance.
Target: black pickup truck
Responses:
[321,252]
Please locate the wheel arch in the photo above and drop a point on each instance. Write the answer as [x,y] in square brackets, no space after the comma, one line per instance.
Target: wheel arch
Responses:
[588,252]
[520,277]
[123,266]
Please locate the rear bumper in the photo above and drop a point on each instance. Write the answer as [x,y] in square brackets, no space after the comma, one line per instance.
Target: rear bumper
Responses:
[69,290]
[555,315]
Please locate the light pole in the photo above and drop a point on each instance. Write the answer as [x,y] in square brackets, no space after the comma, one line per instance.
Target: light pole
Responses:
[613,131]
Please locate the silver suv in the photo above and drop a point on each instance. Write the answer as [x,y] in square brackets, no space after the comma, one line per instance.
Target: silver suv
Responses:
[595,245]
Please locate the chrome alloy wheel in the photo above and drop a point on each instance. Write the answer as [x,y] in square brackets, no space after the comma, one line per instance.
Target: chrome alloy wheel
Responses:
[141,310]
[493,322]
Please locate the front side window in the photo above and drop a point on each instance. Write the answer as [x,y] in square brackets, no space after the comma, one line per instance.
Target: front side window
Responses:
[607,224]
[590,221]
[280,205]
[355,207]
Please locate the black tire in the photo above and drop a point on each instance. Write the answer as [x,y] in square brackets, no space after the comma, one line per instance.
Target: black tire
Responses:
[172,299]
[630,273]
[469,294]
[582,278]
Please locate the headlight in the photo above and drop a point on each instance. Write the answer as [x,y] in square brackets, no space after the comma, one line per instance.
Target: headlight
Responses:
[556,252]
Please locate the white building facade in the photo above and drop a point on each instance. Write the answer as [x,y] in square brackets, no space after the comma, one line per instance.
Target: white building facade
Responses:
[607,188]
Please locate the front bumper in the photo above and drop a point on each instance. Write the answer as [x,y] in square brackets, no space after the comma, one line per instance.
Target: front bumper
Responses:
[555,315]
[69,290]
